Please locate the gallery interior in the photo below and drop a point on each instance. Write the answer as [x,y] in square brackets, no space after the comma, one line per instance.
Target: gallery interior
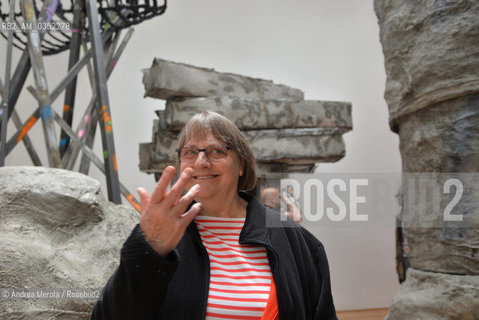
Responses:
[368,110]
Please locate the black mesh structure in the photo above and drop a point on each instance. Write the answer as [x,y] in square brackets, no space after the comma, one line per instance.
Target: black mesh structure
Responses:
[55,20]
[129,12]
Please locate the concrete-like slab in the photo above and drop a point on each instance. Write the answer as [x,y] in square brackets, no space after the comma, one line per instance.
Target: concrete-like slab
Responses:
[166,79]
[256,114]
[294,147]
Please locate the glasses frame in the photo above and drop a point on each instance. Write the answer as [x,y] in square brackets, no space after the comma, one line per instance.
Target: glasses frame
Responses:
[178,151]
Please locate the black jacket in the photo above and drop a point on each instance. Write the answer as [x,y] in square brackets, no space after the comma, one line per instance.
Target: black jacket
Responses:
[148,286]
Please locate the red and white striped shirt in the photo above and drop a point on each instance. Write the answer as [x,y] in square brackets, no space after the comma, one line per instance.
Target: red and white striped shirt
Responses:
[240,276]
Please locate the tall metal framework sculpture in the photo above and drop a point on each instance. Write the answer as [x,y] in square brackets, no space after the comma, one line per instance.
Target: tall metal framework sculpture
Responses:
[48,27]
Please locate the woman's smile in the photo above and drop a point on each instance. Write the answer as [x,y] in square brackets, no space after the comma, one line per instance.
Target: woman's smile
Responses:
[205,177]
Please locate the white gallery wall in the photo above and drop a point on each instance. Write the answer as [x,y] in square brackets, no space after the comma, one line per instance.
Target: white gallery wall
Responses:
[330,49]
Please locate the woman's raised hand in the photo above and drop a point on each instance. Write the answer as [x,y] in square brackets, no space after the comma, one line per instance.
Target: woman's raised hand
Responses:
[163,218]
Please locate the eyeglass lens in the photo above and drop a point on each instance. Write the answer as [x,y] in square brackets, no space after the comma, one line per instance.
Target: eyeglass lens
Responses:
[213,153]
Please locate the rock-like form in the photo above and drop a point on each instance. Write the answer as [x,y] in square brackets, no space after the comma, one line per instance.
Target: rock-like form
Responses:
[443,139]
[57,232]
[432,90]
[286,133]
[296,146]
[260,114]
[157,155]
[166,79]
[431,51]
[429,295]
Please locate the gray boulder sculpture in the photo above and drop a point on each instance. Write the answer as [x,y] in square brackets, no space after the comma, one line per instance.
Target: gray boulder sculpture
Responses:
[432,90]
[438,296]
[60,241]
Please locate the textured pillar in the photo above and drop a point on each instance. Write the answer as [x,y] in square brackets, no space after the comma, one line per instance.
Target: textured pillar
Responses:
[443,138]
[431,50]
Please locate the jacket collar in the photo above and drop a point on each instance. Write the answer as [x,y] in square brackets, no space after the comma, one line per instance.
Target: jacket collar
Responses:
[256,227]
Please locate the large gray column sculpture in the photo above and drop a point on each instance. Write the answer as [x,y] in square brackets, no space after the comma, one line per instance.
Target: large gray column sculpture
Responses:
[431,50]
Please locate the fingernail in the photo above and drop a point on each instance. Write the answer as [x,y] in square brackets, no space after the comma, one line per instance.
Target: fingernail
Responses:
[196,187]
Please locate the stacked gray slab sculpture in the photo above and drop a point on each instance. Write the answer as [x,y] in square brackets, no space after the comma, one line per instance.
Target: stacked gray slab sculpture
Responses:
[286,132]
[432,62]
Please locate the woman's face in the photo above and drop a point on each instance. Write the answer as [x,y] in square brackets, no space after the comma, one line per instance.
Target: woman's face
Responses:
[217,179]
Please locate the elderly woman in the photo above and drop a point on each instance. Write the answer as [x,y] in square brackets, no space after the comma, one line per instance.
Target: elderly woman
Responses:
[206,249]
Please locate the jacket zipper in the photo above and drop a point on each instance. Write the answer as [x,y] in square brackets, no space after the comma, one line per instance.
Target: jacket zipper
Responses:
[273,265]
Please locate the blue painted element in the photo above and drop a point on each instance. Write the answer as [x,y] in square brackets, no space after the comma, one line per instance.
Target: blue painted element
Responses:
[47,113]
[63,142]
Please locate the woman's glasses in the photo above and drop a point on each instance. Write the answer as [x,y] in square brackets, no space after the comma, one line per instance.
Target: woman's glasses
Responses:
[213,153]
